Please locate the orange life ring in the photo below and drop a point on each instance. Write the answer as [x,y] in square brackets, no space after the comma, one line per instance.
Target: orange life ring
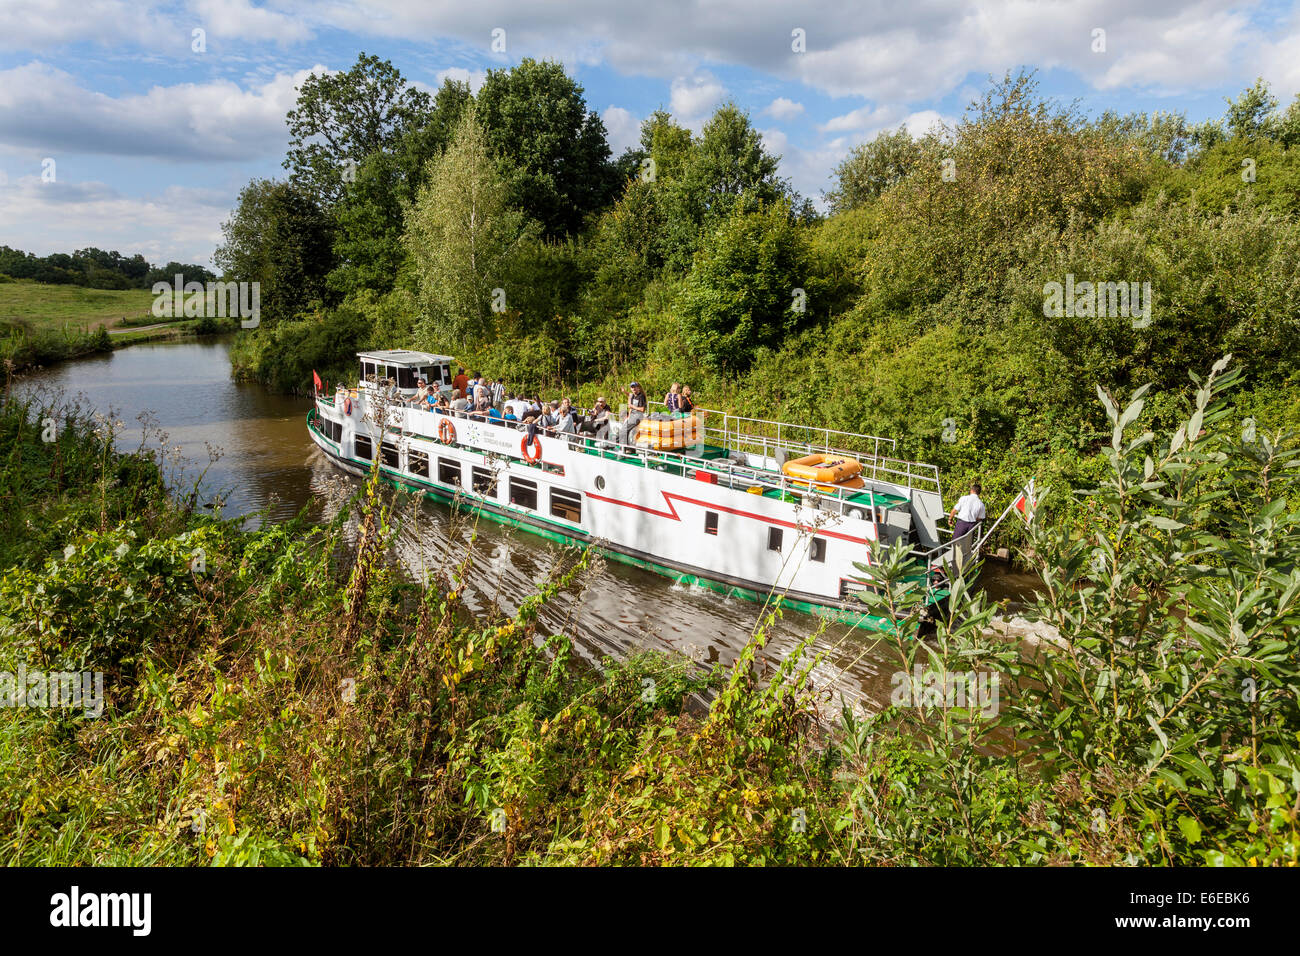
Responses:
[446,431]
[525,445]
[347,406]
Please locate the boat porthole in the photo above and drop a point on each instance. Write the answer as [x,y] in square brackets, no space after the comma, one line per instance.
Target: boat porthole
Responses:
[600,482]
[856,513]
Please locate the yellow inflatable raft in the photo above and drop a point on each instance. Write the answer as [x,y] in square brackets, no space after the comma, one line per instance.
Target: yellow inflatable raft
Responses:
[668,435]
[825,470]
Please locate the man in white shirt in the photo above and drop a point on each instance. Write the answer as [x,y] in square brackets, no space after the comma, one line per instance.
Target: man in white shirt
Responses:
[968,512]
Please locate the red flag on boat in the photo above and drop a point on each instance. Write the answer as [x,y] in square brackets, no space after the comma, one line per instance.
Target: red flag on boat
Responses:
[1025,503]
[316,379]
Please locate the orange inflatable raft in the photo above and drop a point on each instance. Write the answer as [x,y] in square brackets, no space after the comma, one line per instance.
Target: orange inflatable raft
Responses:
[825,470]
[668,435]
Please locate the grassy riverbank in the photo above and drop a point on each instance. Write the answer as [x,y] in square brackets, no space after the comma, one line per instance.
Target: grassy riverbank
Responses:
[285,696]
[42,324]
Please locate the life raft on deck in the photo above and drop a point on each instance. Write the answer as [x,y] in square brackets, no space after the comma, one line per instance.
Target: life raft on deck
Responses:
[825,470]
[668,434]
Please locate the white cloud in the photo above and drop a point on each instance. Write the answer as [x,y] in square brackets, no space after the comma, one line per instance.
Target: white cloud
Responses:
[862,118]
[474,78]
[622,127]
[783,109]
[692,99]
[918,124]
[178,223]
[240,19]
[46,109]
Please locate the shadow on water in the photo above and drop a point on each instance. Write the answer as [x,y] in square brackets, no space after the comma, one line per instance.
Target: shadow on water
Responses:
[268,465]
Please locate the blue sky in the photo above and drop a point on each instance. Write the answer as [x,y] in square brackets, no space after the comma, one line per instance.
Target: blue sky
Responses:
[151,140]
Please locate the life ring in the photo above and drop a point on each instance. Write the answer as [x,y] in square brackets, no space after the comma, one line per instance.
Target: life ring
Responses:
[347,406]
[446,431]
[525,445]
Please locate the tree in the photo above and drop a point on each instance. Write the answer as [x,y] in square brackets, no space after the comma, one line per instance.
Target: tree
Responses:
[873,167]
[752,284]
[343,118]
[368,238]
[726,169]
[1251,114]
[553,150]
[464,238]
[279,237]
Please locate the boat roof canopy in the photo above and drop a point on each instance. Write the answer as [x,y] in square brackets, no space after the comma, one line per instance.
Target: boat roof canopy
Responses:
[405,358]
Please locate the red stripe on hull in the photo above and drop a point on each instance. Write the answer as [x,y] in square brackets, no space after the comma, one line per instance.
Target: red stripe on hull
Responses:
[672,513]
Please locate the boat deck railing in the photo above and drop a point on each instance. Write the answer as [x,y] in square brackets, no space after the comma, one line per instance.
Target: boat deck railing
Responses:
[715,453]
[774,441]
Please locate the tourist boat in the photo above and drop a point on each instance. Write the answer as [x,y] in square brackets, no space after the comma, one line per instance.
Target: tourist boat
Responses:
[763,510]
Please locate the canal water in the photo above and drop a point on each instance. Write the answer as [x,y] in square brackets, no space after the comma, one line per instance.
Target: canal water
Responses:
[266,468]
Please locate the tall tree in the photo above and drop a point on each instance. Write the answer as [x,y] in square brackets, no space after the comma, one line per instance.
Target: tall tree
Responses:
[368,240]
[464,238]
[727,169]
[279,237]
[342,118]
[753,283]
[872,167]
[537,121]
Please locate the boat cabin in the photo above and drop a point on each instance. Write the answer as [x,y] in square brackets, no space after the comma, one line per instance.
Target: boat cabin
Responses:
[403,369]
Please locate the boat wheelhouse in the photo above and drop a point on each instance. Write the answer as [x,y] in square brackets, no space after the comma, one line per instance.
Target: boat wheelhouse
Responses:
[758,509]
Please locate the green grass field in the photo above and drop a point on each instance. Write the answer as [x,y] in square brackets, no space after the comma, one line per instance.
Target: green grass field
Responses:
[38,307]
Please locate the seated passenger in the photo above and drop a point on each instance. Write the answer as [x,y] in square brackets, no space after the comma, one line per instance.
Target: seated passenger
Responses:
[597,424]
[564,420]
[685,404]
[494,415]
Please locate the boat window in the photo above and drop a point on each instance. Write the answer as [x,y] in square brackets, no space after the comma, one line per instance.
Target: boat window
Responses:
[523,493]
[566,505]
[552,469]
[774,536]
[418,463]
[817,549]
[388,454]
[367,371]
[363,448]
[485,482]
[446,375]
[449,471]
[405,377]
[710,522]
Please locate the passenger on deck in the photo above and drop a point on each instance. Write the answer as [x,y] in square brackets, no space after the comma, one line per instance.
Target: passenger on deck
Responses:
[564,420]
[421,396]
[636,404]
[684,404]
[438,402]
[673,398]
[459,403]
[597,423]
[517,408]
[461,382]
